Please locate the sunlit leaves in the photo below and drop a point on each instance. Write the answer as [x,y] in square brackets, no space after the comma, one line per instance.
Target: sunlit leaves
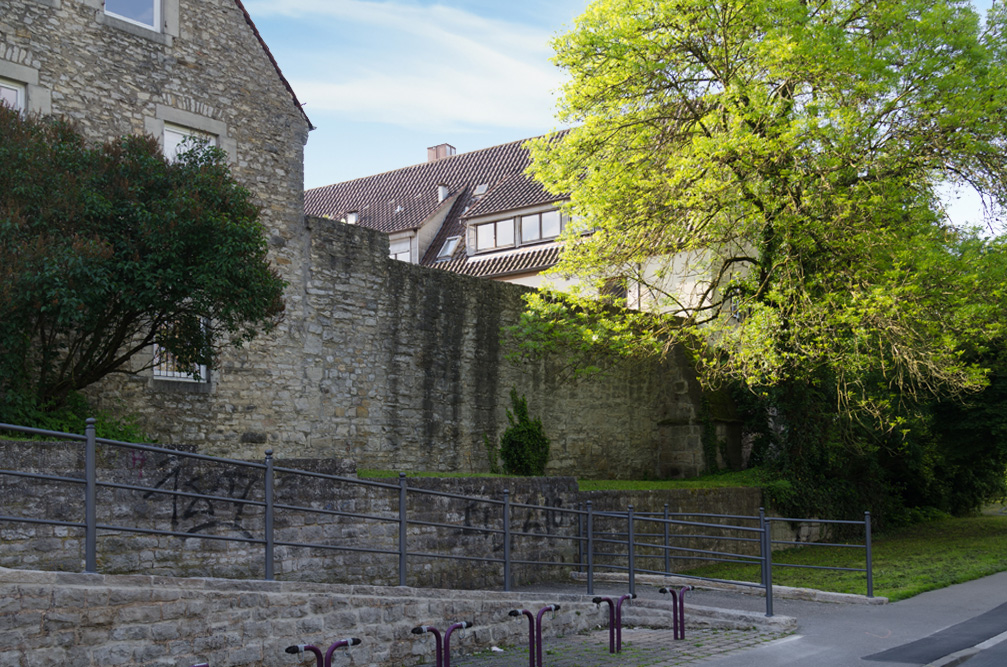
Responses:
[793,151]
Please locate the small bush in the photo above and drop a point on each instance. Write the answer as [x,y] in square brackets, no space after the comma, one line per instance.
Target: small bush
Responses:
[524,447]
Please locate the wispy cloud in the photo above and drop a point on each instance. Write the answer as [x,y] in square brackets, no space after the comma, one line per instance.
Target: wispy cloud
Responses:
[420,66]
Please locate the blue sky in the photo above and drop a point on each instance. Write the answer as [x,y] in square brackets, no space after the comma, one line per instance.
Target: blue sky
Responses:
[384,79]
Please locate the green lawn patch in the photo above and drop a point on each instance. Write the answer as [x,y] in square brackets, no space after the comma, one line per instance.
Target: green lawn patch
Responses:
[750,477]
[907,562]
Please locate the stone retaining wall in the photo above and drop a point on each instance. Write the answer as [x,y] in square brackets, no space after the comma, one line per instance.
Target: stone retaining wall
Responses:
[539,535]
[53,619]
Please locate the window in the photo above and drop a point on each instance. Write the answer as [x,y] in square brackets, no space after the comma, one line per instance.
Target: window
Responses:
[178,139]
[541,226]
[166,367]
[449,247]
[400,250]
[142,12]
[12,94]
[481,189]
[495,235]
[614,291]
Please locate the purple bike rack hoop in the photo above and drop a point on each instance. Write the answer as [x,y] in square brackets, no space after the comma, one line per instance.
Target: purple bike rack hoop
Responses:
[678,609]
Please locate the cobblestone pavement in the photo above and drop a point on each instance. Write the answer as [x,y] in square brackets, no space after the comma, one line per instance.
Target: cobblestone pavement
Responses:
[640,648]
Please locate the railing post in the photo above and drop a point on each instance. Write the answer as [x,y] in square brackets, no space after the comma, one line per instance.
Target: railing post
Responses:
[403,552]
[766,548]
[590,549]
[269,515]
[580,538]
[667,542]
[90,499]
[506,545]
[631,544]
[870,562]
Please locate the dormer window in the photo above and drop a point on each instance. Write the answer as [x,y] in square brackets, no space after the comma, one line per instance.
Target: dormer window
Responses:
[541,226]
[141,12]
[495,235]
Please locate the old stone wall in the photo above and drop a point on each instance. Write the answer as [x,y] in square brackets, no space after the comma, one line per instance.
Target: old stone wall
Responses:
[350,516]
[404,367]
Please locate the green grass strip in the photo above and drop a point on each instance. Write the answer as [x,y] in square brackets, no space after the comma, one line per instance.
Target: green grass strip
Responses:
[907,562]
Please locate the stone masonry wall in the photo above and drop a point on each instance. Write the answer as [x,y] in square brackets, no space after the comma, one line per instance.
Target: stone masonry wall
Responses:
[53,619]
[236,511]
[403,367]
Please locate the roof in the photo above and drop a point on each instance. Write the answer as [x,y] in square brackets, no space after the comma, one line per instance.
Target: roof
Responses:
[532,260]
[276,66]
[404,199]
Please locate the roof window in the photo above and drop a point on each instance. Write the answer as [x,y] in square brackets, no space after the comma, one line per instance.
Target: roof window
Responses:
[481,189]
[449,247]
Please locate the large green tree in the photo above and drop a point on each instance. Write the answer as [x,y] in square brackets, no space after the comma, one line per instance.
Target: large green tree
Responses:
[108,249]
[766,175]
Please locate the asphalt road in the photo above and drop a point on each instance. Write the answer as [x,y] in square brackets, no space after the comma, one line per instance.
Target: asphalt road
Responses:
[939,628]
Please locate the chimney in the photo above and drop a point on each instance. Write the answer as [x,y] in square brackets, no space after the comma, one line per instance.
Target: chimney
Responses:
[442,192]
[440,151]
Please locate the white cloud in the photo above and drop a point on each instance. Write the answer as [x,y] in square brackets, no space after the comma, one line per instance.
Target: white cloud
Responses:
[420,66]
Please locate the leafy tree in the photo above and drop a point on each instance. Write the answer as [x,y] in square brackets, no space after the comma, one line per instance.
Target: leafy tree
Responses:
[766,174]
[106,250]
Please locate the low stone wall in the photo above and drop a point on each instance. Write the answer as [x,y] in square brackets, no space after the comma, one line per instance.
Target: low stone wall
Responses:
[471,514]
[55,619]
[85,620]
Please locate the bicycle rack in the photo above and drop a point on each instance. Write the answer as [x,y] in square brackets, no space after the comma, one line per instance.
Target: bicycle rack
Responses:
[320,661]
[531,633]
[614,620]
[443,646]
[618,621]
[678,609]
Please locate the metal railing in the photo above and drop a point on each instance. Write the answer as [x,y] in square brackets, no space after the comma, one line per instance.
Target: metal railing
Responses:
[627,541]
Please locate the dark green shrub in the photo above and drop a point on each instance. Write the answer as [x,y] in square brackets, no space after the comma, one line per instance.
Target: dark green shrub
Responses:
[524,447]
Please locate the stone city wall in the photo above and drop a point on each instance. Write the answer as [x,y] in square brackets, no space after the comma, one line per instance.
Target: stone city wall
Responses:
[403,367]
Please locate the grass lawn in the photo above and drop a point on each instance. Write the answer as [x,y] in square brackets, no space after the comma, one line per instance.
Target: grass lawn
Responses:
[906,562]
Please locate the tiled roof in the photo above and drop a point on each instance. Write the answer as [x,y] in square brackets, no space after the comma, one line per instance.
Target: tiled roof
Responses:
[497,265]
[517,191]
[276,66]
[405,198]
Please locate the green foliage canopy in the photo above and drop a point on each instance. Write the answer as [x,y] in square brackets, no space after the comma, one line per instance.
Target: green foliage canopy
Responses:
[105,250]
[766,174]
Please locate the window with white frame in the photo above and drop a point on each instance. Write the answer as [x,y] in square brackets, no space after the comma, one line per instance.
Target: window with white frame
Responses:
[178,139]
[12,94]
[541,226]
[499,234]
[400,250]
[141,12]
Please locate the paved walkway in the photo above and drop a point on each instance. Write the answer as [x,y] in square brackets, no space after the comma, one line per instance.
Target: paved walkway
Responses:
[828,635]
[640,648]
